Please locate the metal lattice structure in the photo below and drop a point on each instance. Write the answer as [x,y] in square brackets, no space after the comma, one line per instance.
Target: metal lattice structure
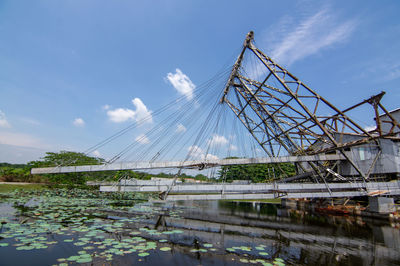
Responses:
[286,117]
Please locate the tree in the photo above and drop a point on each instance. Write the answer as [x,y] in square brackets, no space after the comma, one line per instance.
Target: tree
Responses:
[201,177]
[66,158]
[256,172]
[13,174]
[62,158]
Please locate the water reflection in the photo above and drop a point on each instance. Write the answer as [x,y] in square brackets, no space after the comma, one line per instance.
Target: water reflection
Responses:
[300,236]
[195,233]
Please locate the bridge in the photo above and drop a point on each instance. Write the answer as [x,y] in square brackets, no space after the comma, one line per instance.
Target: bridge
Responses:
[229,191]
[275,115]
[200,164]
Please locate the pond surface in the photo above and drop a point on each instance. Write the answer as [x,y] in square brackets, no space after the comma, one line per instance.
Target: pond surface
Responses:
[60,227]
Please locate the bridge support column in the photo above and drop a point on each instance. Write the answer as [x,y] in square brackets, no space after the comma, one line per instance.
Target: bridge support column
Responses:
[381,204]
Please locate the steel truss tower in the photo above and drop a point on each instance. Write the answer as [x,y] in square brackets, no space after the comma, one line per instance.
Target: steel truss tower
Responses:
[286,117]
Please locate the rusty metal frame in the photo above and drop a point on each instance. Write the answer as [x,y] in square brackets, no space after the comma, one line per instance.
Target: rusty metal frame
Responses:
[284,114]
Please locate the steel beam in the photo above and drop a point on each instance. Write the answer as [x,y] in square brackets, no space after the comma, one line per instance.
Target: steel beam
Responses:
[160,186]
[199,164]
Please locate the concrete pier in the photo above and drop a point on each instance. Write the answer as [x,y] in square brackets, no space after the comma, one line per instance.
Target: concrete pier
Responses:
[381,204]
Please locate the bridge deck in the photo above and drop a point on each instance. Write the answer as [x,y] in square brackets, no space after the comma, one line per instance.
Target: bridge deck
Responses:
[198,164]
[184,191]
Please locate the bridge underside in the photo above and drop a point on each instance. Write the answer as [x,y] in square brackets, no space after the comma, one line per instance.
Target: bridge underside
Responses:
[231,191]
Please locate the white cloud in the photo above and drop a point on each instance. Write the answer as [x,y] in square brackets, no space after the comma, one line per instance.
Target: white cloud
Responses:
[78,122]
[121,115]
[96,153]
[3,120]
[316,32]
[233,147]
[217,140]
[197,153]
[142,139]
[369,128]
[106,107]
[210,157]
[141,112]
[124,114]
[181,83]
[180,128]
[22,140]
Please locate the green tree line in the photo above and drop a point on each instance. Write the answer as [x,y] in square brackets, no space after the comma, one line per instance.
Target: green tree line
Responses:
[256,173]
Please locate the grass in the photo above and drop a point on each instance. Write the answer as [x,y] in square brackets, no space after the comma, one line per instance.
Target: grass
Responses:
[9,188]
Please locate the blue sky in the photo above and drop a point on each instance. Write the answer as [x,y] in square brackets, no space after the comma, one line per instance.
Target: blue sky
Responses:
[74,72]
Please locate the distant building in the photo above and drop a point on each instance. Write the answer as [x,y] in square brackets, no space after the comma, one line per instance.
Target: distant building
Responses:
[388,163]
[385,121]
[380,157]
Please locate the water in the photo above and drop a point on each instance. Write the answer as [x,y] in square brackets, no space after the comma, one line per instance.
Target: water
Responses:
[78,227]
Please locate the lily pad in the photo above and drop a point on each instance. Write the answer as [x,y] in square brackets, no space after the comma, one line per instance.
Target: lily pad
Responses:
[73,258]
[84,260]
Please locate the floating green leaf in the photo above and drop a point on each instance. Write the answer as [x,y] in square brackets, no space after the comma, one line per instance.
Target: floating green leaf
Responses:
[84,260]
[73,258]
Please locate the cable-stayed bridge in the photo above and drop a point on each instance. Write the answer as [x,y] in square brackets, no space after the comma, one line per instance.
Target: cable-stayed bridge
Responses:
[263,108]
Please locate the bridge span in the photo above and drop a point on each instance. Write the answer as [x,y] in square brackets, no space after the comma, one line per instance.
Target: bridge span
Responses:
[196,164]
[218,191]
